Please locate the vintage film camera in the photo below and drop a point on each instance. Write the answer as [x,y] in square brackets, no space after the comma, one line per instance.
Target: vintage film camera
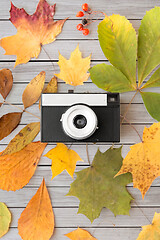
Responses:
[80,117]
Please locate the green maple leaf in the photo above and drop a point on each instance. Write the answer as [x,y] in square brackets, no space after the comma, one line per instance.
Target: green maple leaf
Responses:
[96,186]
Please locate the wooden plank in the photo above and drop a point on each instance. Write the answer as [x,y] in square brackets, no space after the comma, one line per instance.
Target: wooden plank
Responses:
[59,199]
[99,233]
[15,96]
[131,9]
[128,134]
[34,68]
[69,29]
[137,113]
[68,217]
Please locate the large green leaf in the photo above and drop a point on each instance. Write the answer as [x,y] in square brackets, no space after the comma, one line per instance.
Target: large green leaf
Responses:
[96,186]
[110,78]
[149,43]
[152,103]
[118,41]
[154,81]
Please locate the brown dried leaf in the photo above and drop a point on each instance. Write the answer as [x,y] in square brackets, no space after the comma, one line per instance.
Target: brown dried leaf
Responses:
[6,82]
[33,90]
[8,123]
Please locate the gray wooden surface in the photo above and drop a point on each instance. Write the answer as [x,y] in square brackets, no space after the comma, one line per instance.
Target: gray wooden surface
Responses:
[107,227]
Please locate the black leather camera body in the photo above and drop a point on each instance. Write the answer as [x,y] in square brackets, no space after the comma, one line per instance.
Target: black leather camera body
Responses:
[80,117]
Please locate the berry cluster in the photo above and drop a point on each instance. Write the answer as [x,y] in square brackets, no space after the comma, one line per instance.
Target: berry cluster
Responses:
[87,18]
[82,26]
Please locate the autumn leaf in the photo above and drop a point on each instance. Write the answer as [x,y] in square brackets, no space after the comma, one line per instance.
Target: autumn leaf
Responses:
[37,220]
[50,88]
[74,70]
[80,234]
[33,90]
[97,188]
[23,138]
[151,232]
[6,82]
[143,159]
[5,219]
[33,31]
[17,169]
[63,159]
[8,123]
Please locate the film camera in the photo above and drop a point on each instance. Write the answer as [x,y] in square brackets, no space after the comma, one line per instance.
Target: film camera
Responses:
[84,117]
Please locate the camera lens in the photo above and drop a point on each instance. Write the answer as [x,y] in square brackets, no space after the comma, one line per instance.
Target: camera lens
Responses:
[80,121]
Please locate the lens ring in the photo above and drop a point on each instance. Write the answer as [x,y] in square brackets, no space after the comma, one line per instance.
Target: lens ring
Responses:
[68,122]
[80,121]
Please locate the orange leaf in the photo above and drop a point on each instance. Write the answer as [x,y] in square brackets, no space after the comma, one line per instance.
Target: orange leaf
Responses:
[63,159]
[80,234]
[17,169]
[33,31]
[33,90]
[142,161]
[6,82]
[8,123]
[37,220]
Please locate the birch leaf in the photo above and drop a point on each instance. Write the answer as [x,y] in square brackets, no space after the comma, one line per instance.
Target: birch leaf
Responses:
[33,90]
[8,123]
[80,234]
[37,220]
[5,219]
[23,138]
[6,82]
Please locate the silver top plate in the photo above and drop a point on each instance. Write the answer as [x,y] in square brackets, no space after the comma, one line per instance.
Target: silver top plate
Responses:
[70,99]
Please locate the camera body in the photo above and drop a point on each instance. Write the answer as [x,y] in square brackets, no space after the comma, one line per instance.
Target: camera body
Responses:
[80,117]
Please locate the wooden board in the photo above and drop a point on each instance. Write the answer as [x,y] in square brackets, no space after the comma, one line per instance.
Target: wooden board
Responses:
[106,227]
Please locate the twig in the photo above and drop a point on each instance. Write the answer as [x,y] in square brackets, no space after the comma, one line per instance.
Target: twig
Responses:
[143,213]
[48,57]
[88,154]
[128,107]
[132,126]
[23,110]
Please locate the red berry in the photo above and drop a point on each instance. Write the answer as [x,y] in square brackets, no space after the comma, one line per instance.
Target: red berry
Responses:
[80,27]
[80,14]
[85,31]
[85,7]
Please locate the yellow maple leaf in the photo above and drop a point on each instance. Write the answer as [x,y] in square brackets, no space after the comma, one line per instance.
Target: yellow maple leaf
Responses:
[143,159]
[151,232]
[37,220]
[33,31]
[80,234]
[63,159]
[74,70]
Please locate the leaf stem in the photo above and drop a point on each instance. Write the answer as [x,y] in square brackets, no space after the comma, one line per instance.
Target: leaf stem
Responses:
[88,154]
[23,110]
[124,118]
[129,106]
[48,57]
